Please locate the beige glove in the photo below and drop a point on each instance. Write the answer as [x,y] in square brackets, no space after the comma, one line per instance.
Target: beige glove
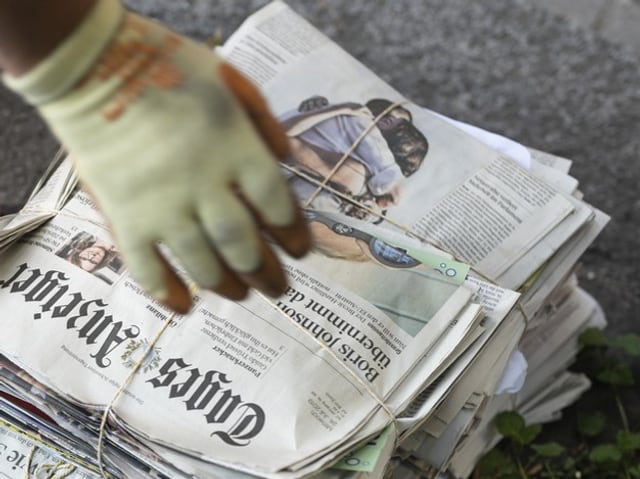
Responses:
[164,136]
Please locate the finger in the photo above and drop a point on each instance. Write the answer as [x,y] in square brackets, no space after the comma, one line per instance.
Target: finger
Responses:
[151,271]
[242,250]
[256,107]
[192,249]
[266,189]
[230,286]
[269,277]
[272,204]
[178,297]
[295,239]
[188,243]
[231,231]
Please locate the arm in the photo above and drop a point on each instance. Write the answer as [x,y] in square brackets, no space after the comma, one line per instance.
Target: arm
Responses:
[31,29]
[115,87]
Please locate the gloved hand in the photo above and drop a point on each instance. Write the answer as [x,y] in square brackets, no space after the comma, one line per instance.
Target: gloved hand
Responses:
[176,146]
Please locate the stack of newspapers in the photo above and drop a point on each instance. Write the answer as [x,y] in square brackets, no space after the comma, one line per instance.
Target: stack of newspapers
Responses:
[440,292]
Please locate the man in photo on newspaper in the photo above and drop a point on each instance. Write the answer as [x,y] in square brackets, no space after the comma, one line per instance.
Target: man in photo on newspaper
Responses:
[372,175]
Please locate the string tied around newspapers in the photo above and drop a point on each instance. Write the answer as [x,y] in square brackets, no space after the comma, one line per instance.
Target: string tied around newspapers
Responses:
[170,319]
[321,185]
[58,470]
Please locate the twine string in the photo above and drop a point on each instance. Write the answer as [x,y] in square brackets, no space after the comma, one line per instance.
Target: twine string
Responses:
[356,143]
[526,317]
[123,386]
[103,424]
[59,470]
[392,416]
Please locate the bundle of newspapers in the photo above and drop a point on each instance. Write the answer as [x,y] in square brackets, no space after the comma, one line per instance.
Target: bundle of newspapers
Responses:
[441,291]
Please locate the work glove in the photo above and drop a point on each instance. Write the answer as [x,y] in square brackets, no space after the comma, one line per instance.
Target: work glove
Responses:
[176,147]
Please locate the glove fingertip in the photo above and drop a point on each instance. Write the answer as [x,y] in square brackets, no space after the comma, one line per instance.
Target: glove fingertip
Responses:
[176,295]
[295,238]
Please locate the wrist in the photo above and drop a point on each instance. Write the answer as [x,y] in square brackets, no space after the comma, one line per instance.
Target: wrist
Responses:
[31,29]
[69,61]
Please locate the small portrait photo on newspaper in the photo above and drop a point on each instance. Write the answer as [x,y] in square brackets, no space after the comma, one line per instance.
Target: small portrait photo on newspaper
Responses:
[93,255]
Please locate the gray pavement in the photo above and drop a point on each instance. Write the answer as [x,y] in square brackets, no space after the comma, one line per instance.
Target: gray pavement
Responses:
[615,20]
[550,79]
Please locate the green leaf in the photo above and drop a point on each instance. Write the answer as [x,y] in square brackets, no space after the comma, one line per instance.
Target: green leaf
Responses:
[629,343]
[569,463]
[591,425]
[549,449]
[529,433]
[593,337]
[618,374]
[628,441]
[496,462]
[605,453]
[510,424]
[634,471]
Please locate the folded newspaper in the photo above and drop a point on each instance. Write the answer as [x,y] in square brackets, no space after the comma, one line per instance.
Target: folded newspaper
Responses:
[387,353]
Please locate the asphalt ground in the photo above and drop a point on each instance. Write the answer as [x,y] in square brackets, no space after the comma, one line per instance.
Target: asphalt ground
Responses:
[506,65]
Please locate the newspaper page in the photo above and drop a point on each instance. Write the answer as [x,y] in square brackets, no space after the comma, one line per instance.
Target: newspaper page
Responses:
[83,323]
[20,453]
[73,432]
[502,326]
[487,210]
[48,195]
